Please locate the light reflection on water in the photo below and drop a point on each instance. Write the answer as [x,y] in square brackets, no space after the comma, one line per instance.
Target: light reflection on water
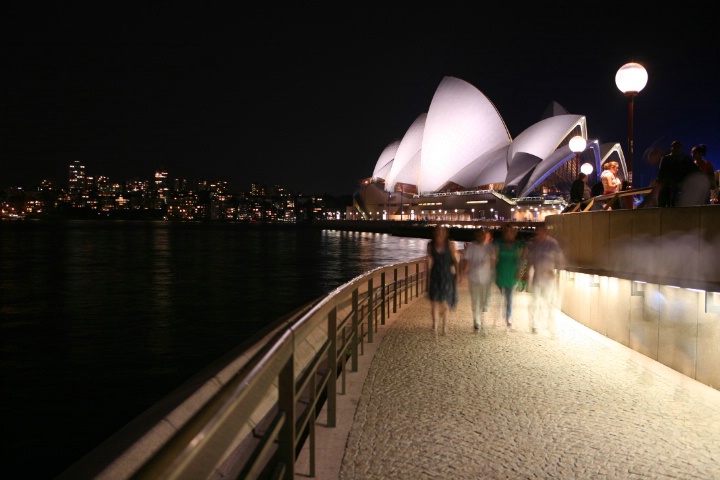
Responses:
[100,320]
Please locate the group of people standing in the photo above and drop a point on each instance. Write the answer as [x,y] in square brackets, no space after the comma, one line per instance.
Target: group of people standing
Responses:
[487,263]
[610,182]
[685,179]
[681,180]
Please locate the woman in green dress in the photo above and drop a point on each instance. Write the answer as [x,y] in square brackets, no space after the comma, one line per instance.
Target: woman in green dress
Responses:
[510,258]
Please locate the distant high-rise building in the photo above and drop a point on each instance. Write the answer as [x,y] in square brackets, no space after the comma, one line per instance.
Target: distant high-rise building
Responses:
[257,190]
[103,184]
[137,185]
[162,189]
[76,177]
[220,187]
[180,185]
[278,191]
[77,184]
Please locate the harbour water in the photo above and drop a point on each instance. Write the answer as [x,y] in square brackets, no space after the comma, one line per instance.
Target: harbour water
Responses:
[99,320]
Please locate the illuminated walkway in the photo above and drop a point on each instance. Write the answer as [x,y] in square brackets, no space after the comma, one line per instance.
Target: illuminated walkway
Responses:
[515,405]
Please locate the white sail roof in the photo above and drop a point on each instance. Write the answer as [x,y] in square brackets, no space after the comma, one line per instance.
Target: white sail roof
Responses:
[461,126]
[384,162]
[406,166]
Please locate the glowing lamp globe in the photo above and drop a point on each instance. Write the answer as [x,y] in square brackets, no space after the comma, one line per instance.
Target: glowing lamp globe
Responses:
[631,78]
[577,144]
[586,168]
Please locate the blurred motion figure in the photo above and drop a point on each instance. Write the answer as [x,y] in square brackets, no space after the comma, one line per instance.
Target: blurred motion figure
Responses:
[479,261]
[545,257]
[443,271]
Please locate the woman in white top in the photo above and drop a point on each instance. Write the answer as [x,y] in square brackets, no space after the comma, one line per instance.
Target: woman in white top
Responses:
[479,260]
[611,182]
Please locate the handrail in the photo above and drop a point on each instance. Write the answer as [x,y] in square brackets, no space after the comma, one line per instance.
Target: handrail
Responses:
[257,422]
[610,199]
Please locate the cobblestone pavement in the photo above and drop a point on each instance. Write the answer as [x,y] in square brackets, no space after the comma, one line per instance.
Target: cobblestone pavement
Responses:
[522,405]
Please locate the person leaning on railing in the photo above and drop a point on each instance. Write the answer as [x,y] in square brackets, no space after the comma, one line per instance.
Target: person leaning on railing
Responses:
[580,190]
[611,182]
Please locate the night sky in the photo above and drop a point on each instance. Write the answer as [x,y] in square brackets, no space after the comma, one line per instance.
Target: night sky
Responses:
[308,97]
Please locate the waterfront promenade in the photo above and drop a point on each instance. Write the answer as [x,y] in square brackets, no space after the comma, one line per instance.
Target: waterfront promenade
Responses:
[573,404]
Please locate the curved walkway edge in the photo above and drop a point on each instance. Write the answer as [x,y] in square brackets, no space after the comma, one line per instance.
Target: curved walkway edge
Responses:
[566,404]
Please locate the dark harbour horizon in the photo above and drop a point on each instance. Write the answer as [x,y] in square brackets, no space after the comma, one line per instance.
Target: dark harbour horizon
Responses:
[100,320]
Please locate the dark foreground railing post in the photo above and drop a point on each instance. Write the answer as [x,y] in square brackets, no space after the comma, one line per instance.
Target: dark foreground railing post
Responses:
[286,404]
[395,289]
[417,280]
[355,329]
[407,284]
[371,310]
[332,366]
[382,298]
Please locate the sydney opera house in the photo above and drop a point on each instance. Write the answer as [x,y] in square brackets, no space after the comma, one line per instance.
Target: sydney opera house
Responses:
[457,161]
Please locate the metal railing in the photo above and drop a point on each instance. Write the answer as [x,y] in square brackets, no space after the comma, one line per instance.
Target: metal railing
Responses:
[609,200]
[257,422]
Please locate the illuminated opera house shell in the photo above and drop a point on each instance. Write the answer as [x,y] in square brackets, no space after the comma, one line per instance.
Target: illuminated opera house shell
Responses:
[462,145]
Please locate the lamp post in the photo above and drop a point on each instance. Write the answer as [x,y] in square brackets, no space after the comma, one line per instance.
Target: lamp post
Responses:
[577,146]
[630,79]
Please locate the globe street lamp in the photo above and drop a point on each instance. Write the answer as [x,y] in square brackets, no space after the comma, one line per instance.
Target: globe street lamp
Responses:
[577,146]
[586,168]
[630,79]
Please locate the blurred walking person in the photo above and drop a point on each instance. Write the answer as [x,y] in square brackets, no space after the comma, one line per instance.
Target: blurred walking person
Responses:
[545,257]
[673,170]
[705,167]
[510,257]
[443,271]
[479,260]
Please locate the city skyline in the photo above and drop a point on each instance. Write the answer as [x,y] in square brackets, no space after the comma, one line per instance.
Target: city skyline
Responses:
[163,198]
[67,182]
